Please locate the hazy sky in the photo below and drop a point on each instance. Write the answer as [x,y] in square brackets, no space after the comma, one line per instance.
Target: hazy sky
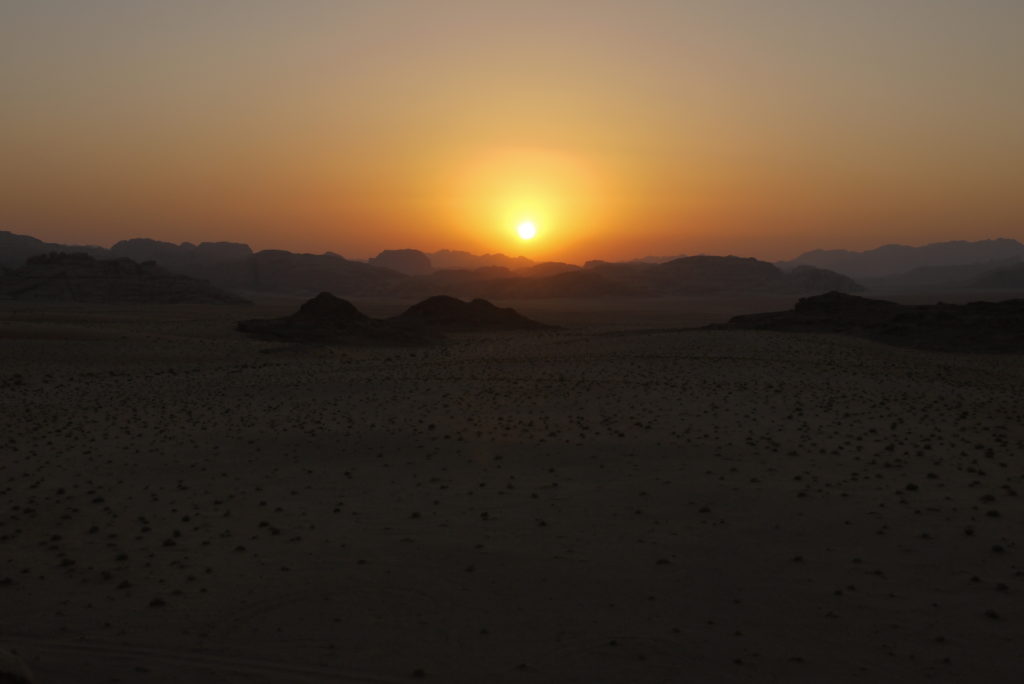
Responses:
[752,127]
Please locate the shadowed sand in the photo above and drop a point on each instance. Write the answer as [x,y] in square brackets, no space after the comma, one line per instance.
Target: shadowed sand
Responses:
[552,506]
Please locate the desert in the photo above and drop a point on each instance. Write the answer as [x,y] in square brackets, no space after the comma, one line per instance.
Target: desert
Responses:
[511,342]
[622,499]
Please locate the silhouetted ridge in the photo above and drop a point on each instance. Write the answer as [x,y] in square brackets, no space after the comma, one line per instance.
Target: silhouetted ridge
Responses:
[974,327]
[327,307]
[327,319]
[451,314]
[891,260]
[406,261]
[15,249]
[330,320]
[82,278]
[1005,278]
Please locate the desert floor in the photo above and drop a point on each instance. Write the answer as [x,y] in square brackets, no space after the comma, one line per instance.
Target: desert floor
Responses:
[613,502]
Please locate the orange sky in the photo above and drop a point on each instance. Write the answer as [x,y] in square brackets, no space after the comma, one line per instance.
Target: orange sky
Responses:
[622,129]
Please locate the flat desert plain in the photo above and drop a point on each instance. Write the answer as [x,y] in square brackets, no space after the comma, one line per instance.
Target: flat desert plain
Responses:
[616,501]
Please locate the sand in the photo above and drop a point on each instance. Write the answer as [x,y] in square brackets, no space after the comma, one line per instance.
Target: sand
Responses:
[613,502]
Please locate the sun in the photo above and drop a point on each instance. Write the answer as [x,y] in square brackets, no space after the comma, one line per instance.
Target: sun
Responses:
[527,230]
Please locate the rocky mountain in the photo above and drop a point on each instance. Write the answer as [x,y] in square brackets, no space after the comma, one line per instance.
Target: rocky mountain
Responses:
[80,277]
[202,260]
[289,273]
[15,249]
[895,259]
[407,261]
[454,315]
[974,327]
[229,265]
[706,275]
[326,319]
[455,259]
[545,269]
[495,276]
[1007,277]
[653,259]
[698,275]
[940,278]
[808,279]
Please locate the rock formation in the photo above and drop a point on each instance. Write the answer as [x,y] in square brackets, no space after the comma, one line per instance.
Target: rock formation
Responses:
[974,327]
[326,319]
[407,261]
[81,278]
[454,315]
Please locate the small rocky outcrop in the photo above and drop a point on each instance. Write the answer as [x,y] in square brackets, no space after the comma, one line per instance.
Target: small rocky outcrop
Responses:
[326,319]
[978,327]
[454,315]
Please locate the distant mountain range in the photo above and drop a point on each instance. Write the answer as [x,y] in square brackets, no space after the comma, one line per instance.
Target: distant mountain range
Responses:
[996,264]
[80,277]
[895,260]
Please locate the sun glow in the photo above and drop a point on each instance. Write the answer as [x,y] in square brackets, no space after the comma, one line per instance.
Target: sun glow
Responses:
[537,202]
[527,230]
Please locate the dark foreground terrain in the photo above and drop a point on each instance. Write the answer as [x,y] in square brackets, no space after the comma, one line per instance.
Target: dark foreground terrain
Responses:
[974,327]
[184,504]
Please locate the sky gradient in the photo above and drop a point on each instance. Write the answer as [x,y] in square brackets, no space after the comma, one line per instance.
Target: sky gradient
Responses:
[621,128]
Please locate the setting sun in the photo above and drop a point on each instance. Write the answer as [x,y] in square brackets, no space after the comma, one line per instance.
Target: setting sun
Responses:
[527,230]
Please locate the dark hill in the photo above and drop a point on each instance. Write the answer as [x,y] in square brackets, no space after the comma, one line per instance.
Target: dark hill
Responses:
[459,260]
[287,272]
[548,268]
[1005,278]
[407,261]
[946,278]
[82,278]
[891,260]
[15,249]
[809,279]
[326,319]
[712,275]
[974,327]
[454,315]
[695,276]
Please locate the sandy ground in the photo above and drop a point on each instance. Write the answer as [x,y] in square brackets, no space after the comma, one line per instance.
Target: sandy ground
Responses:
[182,504]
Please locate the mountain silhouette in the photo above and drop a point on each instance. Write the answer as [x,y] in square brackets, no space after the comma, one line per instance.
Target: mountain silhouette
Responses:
[327,319]
[456,259]
[974,327]
[698,275]
[15,249]
[1006,277]
[545,269]
[82,278]
[407,261]
[947,266]
[710,275]
[454,315]
[890,260]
